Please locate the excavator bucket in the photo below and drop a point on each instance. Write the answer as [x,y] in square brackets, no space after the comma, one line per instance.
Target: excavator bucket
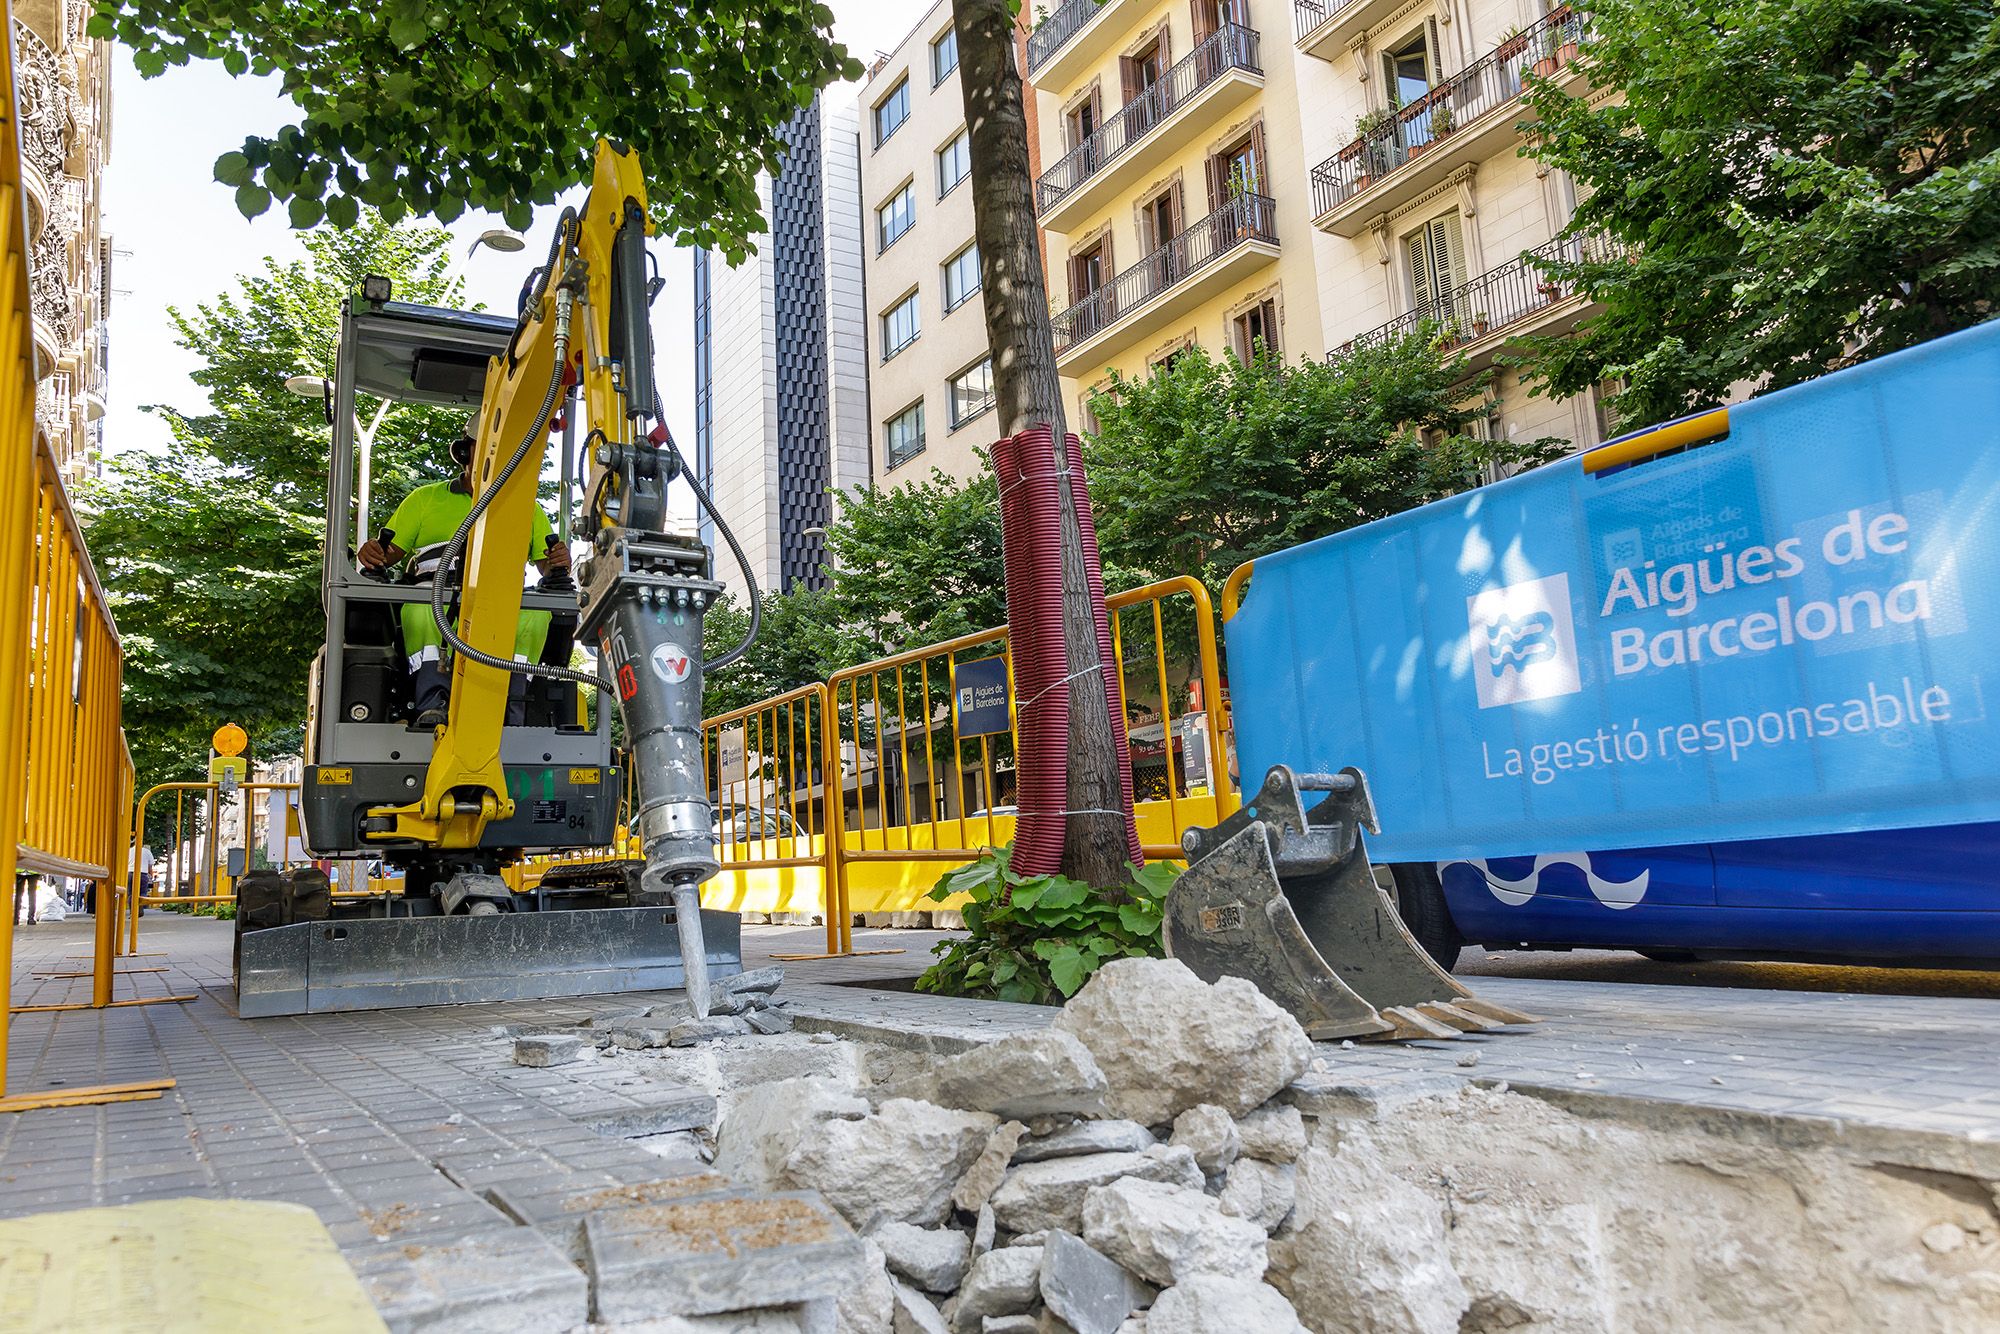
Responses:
[1286,897]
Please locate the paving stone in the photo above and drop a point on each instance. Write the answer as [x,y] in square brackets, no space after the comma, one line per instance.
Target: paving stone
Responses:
[703,1256]
[654,1110]
[494,1281]
[769,1022]
[689,1032]
[1086,1290]
[1083,1137]
[559,1215]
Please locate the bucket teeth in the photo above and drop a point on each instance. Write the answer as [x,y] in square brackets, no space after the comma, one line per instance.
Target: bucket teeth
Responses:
[1412,1023]
[1499,1014]
[1286,898]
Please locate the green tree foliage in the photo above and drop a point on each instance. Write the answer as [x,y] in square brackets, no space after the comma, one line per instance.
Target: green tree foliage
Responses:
[1802,185]
[916,564]
[797,644]
[211,550]
[433,106]
[1199,467]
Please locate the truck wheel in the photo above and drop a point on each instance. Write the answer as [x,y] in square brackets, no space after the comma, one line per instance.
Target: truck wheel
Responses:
[1420,903]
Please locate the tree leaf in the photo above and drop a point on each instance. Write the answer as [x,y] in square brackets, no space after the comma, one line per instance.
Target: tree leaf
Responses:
[252,200]
[233,169]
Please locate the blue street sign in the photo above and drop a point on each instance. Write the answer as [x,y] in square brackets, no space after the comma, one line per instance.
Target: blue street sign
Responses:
[982,702]
[1789,631]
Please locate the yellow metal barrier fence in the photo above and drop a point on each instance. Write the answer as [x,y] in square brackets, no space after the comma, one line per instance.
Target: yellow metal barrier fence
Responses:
[856,795]
[67,772]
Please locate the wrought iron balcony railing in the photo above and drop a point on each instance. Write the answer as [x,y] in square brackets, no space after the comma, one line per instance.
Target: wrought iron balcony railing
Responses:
[1230,48]
[1309,14]
[1243,219]
[1408,132]
[1495,301]
[1053,33]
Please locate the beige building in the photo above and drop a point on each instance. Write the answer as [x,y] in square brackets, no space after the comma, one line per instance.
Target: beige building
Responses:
[1173,193]
[1421,207]
[930,379]
[65,96]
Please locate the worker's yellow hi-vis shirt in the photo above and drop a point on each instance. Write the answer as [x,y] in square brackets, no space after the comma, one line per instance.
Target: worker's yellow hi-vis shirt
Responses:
[422,525]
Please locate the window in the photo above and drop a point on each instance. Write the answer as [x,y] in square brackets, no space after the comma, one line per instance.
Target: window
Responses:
[1254,333]
[1410,69]
[969,393]
[892,111]
[1160,219]
[944,56]
[903,434]
[1081,120]
[895,218]
[1436,255]
[954,163]
[961,277]
[899,326]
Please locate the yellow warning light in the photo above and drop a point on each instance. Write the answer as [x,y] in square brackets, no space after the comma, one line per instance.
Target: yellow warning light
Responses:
[229,739]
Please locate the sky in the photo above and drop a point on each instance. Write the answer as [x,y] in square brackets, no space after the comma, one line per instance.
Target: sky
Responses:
[179,241]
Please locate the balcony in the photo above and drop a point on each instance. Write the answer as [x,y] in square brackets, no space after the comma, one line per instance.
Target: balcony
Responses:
[1469,117]
[1215,78]
[1326,28]
[1498,306]
[1067,43]
[1202,262]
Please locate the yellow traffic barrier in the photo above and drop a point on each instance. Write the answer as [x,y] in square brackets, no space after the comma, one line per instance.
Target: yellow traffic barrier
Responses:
[65,772]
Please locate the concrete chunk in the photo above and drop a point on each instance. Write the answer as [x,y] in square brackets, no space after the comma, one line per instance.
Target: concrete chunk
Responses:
[976,1187]
[1210,1134]
[656,1107]
[1051,1193]
[769,1022]
[545,1049]
[914,1314]
[1002,1282]
[765,980]
[932,1258]
[1087,1291]
[1166,1233]
[1024,1075]
[901,1163]
[698,1257]
[1086,1137]
[690,1031]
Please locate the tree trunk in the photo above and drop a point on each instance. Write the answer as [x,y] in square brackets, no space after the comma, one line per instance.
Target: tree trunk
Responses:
[1027,393]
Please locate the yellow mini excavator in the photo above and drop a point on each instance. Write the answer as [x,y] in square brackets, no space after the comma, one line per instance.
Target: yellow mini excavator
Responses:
[452,805]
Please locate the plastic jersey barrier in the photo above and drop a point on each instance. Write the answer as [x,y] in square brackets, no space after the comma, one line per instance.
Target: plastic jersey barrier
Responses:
[1776,621]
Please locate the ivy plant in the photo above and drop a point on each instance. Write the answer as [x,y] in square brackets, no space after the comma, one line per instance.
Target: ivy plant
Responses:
[436,106]
[1039,938]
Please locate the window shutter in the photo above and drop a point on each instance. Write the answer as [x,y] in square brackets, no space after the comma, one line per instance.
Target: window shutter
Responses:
[1259,172]
[1418,252]
[1450,249]
[1218,180]
[1433,54]
[1204,20]
[1128,78]
[1178,208]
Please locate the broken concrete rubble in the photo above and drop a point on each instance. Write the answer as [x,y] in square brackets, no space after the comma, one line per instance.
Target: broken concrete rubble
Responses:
[1209,1133]
[1051,1193]
[1272,1133]
[538,1050]
[1168,1041]
[1165,1233]
[1081,1137]
[976,1187]
[1022,1076]
[934,1259]
[1002,1282]
[1087,1291]
[766,1124]
[1219,1304]
[901,1163]
[690,1031]
[1259,1191]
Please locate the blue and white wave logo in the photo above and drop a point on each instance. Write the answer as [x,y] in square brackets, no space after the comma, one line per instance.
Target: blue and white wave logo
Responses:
[1523,642]
[1514,893]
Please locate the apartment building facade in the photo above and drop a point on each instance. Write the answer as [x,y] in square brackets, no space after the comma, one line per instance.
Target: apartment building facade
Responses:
[1422,206]
[930,372]
[1173,193]
[780,379]
[65,96]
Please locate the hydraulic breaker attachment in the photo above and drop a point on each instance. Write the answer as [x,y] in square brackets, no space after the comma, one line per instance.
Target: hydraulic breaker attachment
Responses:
[1286,898]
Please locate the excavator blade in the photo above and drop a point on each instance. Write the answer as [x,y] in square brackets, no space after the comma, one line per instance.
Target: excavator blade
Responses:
[1286,898]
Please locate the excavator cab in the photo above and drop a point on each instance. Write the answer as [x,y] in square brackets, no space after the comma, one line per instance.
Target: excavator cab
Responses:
[362,751]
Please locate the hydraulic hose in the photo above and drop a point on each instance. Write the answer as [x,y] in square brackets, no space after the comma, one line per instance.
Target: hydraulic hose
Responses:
[701,496]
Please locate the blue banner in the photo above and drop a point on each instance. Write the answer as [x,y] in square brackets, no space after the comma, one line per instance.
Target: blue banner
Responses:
[1792,630]
[982,702]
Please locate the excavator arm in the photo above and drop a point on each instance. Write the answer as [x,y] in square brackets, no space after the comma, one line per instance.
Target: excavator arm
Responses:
[583,331]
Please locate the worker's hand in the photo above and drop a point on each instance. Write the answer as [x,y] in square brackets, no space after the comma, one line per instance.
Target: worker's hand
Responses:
[557,559]
[376,556]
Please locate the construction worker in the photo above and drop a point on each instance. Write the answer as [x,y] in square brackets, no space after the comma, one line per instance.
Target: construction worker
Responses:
[419,530]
